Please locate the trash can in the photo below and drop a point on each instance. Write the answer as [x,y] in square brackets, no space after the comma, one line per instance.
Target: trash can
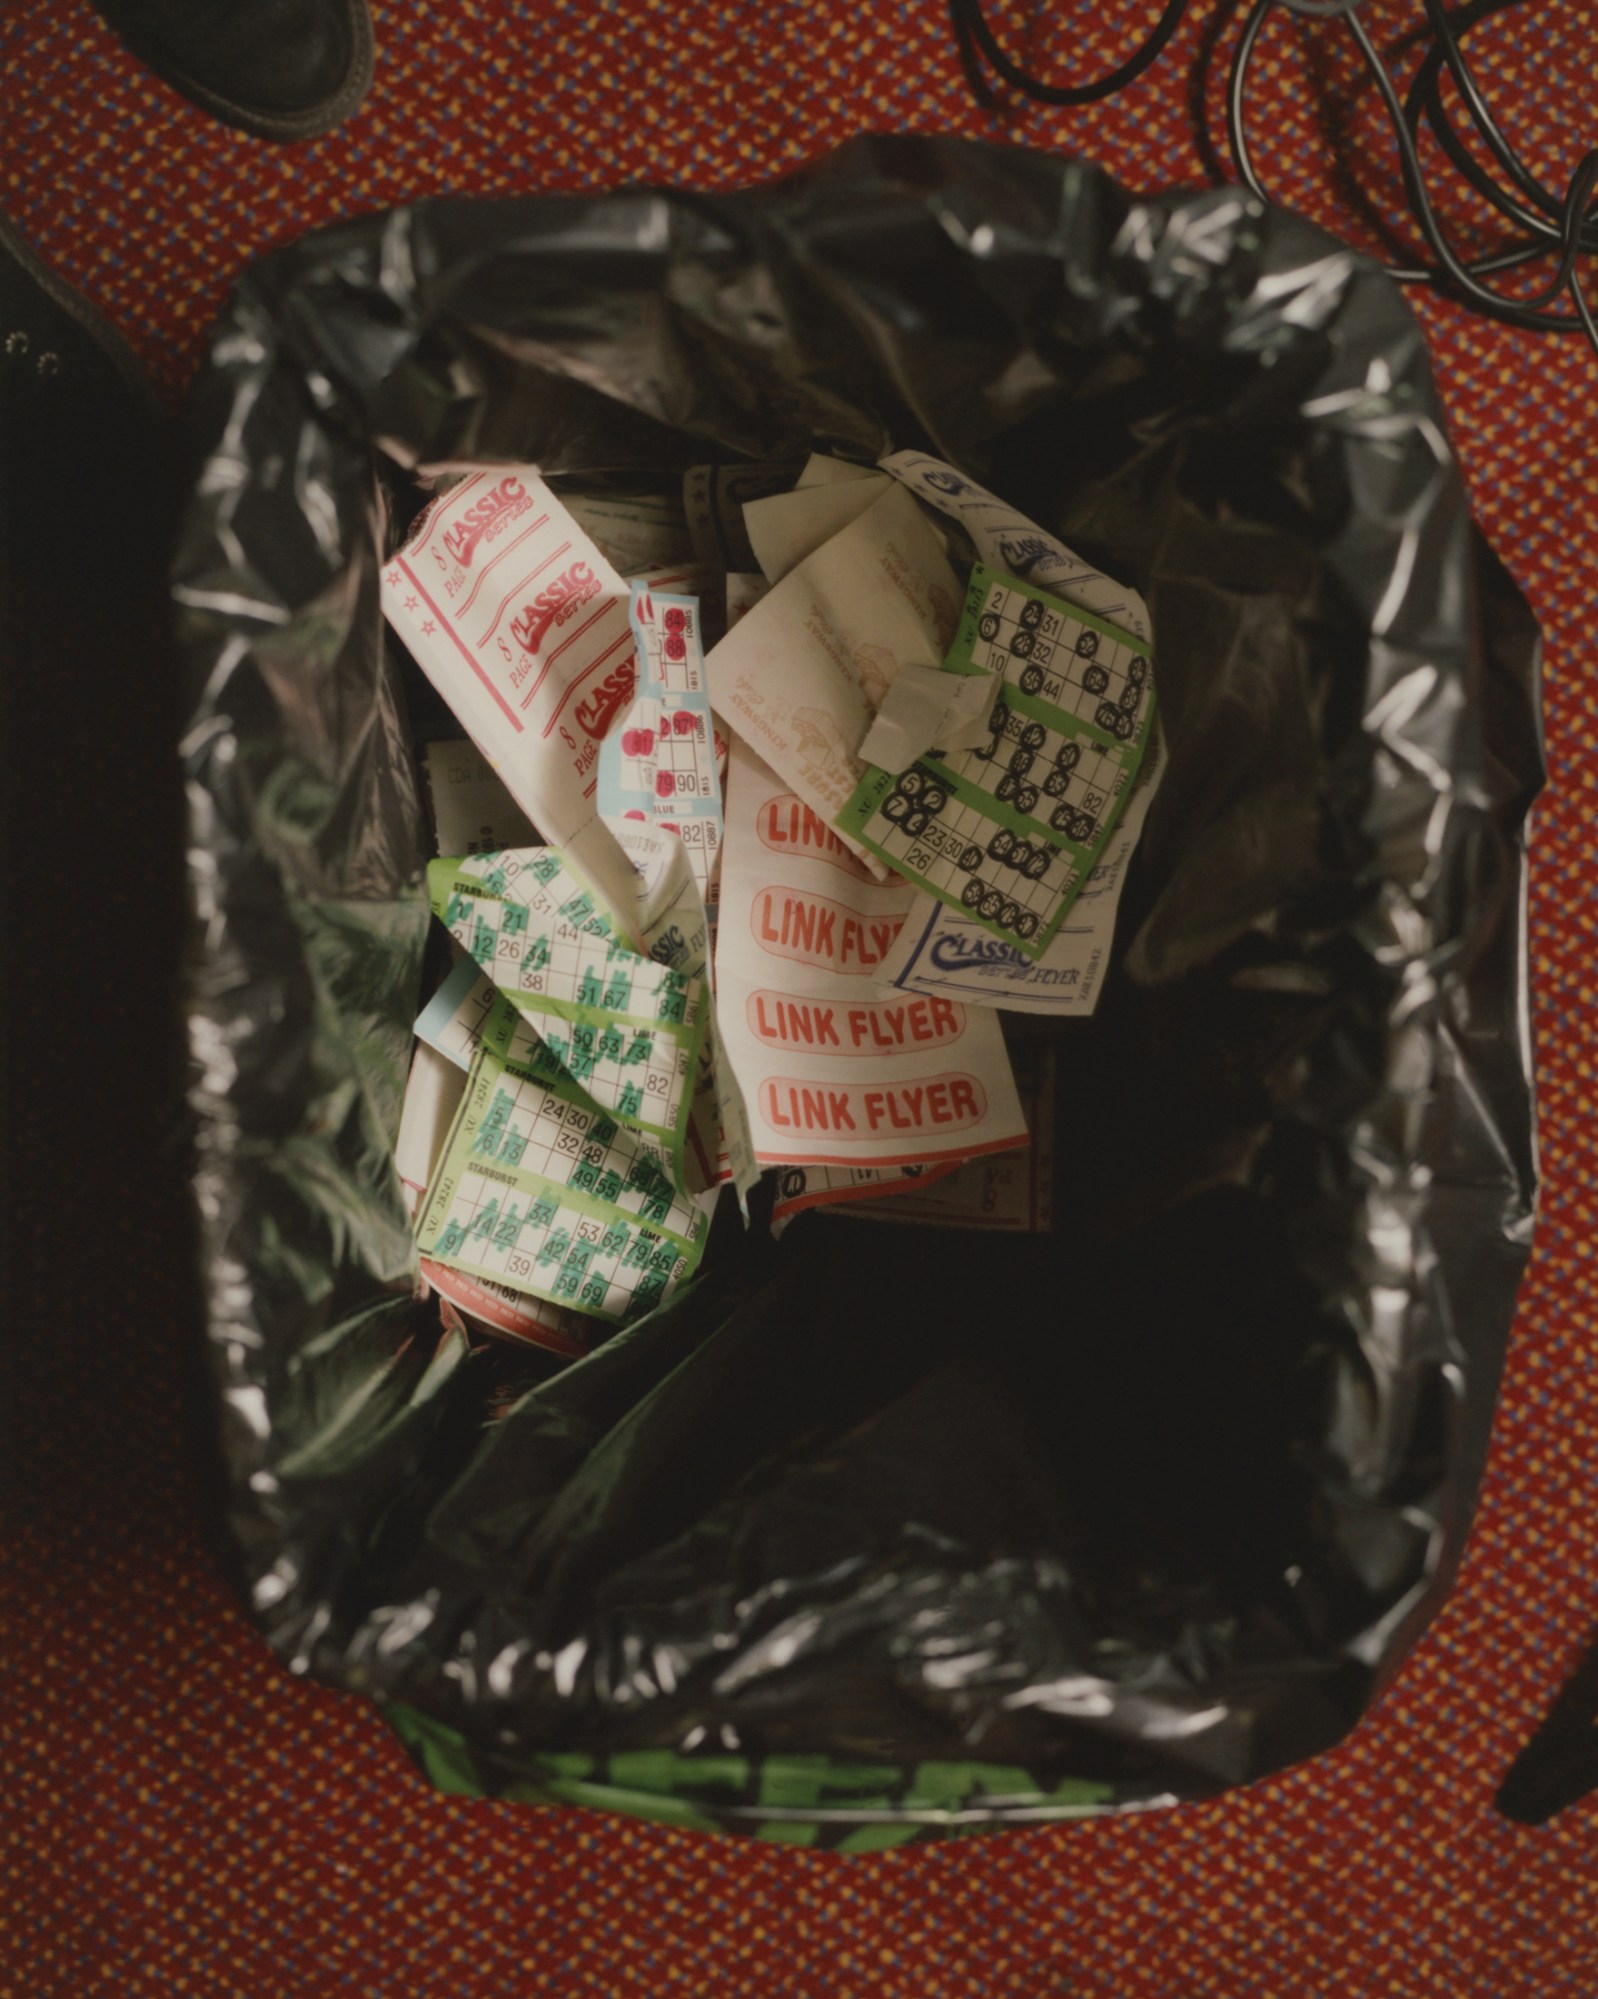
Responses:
[867,1539]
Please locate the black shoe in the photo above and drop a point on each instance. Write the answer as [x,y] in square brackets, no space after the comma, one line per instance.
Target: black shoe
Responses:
[91,829]
[282,69]
[85,474]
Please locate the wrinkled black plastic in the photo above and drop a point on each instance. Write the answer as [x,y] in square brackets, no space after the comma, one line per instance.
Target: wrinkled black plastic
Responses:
[1157,1500]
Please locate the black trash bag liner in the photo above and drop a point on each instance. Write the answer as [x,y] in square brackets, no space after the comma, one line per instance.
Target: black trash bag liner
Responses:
[875,1526]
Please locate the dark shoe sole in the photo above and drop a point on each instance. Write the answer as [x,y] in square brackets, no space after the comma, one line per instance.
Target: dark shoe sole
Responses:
[323,116]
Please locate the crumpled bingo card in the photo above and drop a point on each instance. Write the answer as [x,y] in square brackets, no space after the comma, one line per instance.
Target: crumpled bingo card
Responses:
[1009,832]
[630,1031]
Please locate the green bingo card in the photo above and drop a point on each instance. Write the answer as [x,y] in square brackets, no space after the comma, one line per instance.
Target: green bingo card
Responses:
[596,1013]
[520,1197]
[1009,832]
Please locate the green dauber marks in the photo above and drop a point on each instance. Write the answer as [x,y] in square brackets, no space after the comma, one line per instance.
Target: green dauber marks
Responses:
[537,1122]
[629,1031]
[554,1233]
[563,1063]
[564,1172]
[1009,832]
[545,945]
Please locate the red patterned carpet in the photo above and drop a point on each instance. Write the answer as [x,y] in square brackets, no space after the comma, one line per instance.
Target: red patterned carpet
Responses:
[191,1820]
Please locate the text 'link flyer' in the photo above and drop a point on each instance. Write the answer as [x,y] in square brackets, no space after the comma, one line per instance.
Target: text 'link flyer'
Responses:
[836,1069]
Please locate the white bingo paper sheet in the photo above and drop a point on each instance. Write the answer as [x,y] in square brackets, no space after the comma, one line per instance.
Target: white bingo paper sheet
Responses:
[801,674]
[800,1188]
[834,1068]
[523,627]
[472,811]
[1009,542]
[785,528]
[634,531]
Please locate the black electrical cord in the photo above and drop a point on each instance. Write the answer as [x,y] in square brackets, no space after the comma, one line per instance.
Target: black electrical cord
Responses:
[971,26]
[1450,272]
[1547,223]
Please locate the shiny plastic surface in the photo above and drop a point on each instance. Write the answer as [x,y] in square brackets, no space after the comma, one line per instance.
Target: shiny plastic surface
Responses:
[1148,1507]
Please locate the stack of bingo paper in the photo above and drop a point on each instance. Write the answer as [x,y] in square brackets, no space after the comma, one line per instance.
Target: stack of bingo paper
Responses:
[769,798]
[939,769]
